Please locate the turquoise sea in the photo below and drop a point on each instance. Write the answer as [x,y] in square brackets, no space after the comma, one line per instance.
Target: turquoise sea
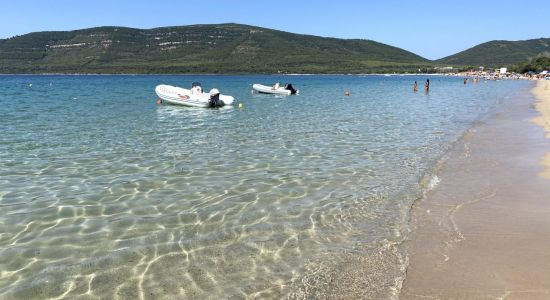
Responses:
[106,195]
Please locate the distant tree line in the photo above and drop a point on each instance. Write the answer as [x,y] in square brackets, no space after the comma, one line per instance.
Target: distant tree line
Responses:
[536,64]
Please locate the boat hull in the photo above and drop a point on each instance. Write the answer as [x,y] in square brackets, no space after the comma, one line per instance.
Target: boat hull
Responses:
[260,88]
[184,97]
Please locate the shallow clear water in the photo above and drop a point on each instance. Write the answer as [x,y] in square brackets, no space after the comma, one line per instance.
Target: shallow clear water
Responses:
[105,194]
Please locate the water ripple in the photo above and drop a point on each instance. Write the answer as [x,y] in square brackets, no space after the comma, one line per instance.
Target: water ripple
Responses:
[103,194]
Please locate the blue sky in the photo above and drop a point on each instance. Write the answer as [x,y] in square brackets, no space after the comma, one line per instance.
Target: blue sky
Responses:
[430,28]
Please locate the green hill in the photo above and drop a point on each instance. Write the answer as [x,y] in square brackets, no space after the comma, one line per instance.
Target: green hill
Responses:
[498,53]
[222,48]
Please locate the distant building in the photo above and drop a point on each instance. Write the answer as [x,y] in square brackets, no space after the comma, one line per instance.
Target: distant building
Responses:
[503,70]
[444,69]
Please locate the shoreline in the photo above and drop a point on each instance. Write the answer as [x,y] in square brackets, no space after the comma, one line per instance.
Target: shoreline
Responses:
[542,93]
[478,233]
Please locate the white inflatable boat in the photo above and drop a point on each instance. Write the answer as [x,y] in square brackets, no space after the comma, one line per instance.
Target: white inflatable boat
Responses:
[286,90]
[194,97]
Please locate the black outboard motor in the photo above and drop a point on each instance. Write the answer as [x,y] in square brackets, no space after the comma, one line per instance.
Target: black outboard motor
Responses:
[289,87]
[215,100]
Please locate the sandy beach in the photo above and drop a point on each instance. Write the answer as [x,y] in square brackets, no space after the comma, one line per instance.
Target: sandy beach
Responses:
[542,93]
[483,232]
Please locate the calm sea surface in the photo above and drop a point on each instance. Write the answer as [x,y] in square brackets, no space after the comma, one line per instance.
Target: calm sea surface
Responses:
[104,194]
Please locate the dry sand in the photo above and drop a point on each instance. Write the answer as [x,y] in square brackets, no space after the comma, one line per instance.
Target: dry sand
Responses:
[484,232]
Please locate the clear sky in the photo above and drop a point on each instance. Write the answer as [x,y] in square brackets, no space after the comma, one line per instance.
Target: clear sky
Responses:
[430,28]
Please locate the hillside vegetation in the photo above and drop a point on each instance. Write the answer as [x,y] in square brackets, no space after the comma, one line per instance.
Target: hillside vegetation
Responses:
[233,49]
[537,64]
[498,53]
[223,48]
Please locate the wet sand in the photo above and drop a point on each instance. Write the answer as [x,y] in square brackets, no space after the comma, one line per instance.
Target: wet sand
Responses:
[483,233]
[542,93]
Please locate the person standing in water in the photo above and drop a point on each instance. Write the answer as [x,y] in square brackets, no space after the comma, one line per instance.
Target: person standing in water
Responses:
[415,87]
[427,86]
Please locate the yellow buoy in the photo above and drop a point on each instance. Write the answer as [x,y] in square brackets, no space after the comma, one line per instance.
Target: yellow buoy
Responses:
[240,105]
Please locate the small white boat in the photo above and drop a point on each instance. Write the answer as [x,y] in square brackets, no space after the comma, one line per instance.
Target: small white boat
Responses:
[286,90]
[194,97]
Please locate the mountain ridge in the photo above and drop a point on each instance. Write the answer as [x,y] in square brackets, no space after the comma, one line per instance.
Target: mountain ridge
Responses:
[499,52]
[217,48]
[229,48]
